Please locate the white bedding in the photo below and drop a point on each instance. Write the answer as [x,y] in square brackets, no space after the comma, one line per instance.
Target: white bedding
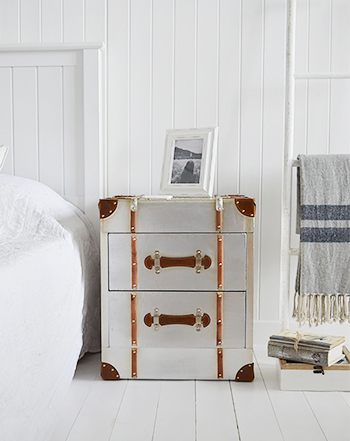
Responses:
[49,304]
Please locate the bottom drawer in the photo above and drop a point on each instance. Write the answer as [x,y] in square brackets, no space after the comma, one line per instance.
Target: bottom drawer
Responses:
[177,364]
[174,320]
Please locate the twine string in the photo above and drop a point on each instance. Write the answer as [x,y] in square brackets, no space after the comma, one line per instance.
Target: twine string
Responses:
[297,340]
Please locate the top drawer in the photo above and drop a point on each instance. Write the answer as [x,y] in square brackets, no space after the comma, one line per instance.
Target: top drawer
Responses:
[170,262]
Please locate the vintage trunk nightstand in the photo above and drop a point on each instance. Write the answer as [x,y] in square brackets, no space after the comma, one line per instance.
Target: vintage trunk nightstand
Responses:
[177,287]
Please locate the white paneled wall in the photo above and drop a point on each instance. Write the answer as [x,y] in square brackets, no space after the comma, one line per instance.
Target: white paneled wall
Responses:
[52,21]
[195,63]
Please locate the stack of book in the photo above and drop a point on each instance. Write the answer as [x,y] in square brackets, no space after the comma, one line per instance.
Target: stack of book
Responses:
[306,347]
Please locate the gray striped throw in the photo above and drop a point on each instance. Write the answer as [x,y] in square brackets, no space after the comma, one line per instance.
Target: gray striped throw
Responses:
[323,275]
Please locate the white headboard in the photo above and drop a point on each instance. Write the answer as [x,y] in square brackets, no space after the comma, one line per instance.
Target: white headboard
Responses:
[50,117]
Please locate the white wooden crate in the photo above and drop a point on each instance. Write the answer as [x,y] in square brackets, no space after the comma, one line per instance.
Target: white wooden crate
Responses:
[308,377]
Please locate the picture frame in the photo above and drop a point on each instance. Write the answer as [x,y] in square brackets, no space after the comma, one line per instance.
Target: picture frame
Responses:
[189,162]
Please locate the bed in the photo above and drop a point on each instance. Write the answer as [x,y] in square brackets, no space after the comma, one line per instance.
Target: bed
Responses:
[49,304]
[49,253]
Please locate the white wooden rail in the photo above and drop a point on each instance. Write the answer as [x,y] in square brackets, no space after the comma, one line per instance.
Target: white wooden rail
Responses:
[289,162]
[322,75]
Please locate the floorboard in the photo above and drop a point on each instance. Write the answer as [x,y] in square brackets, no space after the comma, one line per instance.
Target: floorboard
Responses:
[85,375]
[97,417]
[332,413]
[255,414]
[293,412]
[199,410]
[215,413]
[176,412]
[137,416]
[346,397]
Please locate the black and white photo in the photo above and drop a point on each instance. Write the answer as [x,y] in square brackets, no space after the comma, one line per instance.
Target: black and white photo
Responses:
[187,161]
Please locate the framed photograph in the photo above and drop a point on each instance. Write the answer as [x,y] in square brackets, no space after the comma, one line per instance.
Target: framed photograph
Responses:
[189,162]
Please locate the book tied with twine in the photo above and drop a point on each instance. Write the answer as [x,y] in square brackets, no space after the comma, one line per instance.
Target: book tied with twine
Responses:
[306,347]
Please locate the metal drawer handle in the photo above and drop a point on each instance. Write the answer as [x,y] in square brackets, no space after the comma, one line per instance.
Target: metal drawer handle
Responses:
[198,261]
[157,320]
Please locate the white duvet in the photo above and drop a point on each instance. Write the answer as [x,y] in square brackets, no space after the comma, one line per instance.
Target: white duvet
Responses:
[49,304]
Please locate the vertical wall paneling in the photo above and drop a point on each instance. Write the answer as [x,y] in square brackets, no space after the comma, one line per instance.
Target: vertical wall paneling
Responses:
[73,20]
[51,21]
[140,97]
[229,96]
[318,99]
[301,86]
[9,21]
[340,44]
[300,119]
[30,21]
[6,113]
[301,107]
[251,110]
[95,15]
[185,63]
[73,145]
[207,64]
[178,64]
[162,83]
[117,96]
[25,121]
[50,128]
[339,138]
[271,158]
[96,31]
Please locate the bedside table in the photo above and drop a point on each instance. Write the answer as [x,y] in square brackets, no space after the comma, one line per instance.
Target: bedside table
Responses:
[177,287]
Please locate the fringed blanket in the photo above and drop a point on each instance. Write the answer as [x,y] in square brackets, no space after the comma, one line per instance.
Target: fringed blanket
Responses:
[323,275]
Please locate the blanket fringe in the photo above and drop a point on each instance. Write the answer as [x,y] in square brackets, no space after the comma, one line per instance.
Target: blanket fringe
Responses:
[316,309]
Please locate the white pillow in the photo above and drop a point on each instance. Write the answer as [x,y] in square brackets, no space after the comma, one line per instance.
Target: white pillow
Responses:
[3,153]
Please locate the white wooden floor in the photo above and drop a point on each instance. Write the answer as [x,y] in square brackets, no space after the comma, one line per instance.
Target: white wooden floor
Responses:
[98,410]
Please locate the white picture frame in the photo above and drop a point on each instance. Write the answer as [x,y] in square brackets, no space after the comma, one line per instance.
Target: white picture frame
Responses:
[189,162]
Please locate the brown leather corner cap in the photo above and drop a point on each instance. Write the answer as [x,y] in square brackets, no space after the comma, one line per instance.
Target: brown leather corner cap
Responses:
[109,372]
[107,207]
[246,373]
[246,206]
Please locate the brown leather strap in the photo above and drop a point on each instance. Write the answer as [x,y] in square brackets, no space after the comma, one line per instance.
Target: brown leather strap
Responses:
[219,317]
[220,249]
[167,262]
[134,261]
[133,220]
[219,295]
[220,361]
[134,283]
[134,362]
[133,319]
[188,319]
[218,220]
